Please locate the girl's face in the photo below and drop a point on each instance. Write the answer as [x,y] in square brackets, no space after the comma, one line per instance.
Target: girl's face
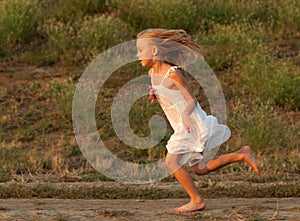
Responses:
[145,52]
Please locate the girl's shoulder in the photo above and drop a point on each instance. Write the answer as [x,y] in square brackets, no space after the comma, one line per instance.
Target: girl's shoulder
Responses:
[178,77]
[176,73]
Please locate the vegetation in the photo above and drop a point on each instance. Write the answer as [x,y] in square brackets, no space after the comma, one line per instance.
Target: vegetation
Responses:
[253,47]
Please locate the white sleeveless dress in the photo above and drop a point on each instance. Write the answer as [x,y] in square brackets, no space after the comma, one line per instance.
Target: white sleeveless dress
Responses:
[208,134]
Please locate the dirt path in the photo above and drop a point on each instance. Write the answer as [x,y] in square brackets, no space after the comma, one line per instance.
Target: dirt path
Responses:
[79,209]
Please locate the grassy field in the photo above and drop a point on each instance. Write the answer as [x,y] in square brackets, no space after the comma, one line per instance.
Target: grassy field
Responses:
[252,46]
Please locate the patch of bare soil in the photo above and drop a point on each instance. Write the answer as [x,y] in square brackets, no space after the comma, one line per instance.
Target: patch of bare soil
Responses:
[132,209]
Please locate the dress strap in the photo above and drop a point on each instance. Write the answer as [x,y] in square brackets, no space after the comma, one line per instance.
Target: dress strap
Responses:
[173,68]
[166,76]
[152,71]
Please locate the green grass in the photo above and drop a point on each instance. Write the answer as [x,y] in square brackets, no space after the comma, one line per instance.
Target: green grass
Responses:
[81,41]
[269,79]
[253,47]
[119,191]
[164,14]
[72,10]
[18,21]
[263,127]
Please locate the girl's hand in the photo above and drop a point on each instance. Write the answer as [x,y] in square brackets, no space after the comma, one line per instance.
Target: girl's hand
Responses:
[188,123]
[152,96]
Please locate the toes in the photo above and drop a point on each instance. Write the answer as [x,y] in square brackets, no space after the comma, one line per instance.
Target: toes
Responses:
[247,149]
[189,208]
[249,158]
[180,210]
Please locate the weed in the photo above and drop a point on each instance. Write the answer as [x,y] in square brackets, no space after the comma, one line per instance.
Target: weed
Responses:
[80,42]
[269,79]
[112,190]
[71,10]
[257,124]
[98,33]
[59,40]
[17,21]
[279,16]
[61,94]
[164,14]
[221,44]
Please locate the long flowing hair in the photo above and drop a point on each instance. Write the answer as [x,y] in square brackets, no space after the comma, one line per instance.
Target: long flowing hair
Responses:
[174,46]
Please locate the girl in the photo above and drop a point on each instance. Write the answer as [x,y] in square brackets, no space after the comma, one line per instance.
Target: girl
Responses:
[193,129]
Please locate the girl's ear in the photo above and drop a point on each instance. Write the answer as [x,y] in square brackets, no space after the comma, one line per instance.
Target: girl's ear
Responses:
[154,50]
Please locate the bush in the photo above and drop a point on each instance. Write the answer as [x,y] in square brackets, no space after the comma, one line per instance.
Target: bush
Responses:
[221,11]
[270,80]
[99,33]
[222,43]
[142,14]
[71,10]
[61,94]
[262,126]
[272,136]
[83,40]
[239,47]
[283,16]
[59,41]
[17,21]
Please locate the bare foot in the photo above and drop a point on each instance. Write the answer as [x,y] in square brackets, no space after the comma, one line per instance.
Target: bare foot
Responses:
[190,207]
[249,158]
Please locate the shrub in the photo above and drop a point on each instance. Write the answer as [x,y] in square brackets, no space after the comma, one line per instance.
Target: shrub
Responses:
[222,43]
[98,33]
[59,41]
[240,49]
[83,40]
[262,126]
[71,10]
[271,135]
[13,161]
[222,11]
[283,16]
[141,14]
[17,21]
[270,79]
[280,16]
[61,94]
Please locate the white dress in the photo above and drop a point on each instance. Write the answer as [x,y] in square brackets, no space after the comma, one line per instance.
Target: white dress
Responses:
[208,134]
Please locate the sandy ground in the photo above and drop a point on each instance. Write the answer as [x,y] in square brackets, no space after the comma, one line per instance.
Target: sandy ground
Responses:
[80,209]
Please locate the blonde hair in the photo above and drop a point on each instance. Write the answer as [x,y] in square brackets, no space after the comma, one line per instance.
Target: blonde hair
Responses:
[174,46]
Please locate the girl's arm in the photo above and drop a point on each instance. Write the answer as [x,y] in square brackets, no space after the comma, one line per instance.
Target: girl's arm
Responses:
[152,96]
[182,85]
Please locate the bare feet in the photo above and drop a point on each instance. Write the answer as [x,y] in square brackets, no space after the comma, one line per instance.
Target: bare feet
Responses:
[191,207]
[249,158]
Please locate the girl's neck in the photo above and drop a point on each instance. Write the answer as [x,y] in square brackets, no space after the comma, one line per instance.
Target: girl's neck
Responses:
[160,67]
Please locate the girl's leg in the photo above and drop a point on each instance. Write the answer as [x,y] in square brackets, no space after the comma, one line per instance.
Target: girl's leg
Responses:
[184,178]
[243,155]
